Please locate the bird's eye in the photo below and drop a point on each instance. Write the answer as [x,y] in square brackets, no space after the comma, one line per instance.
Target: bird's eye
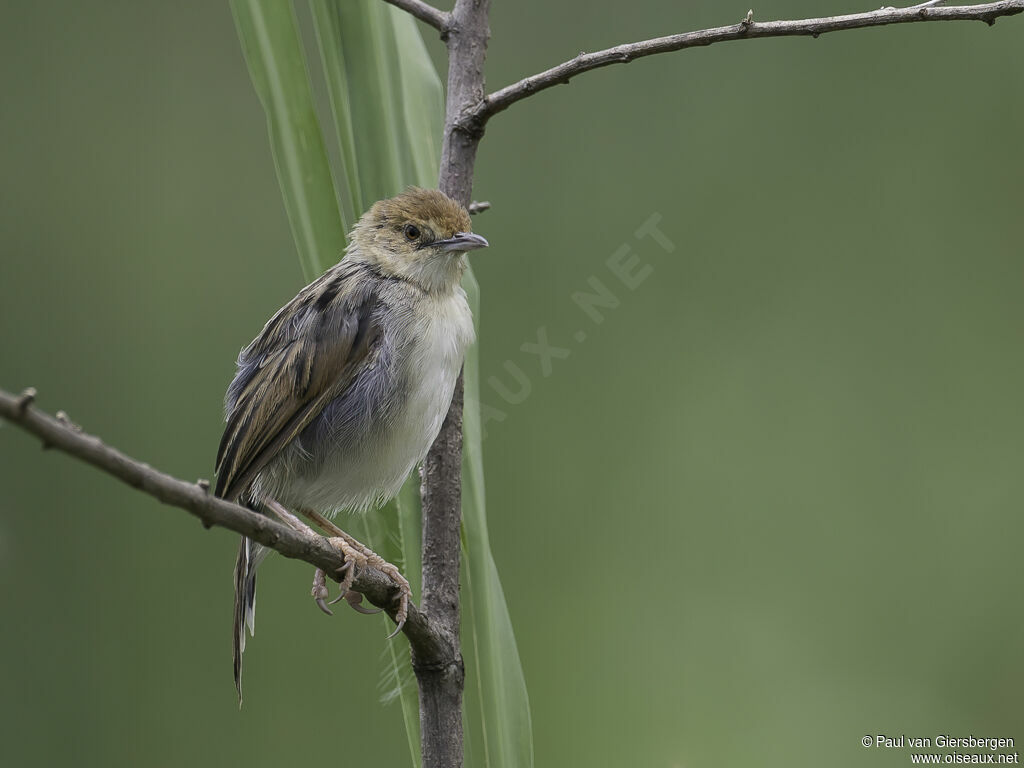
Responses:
[412,232]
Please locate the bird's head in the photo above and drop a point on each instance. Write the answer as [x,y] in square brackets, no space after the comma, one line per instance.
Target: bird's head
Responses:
[421,235]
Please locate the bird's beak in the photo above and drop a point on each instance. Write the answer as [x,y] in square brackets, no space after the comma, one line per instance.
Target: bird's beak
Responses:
[462,241]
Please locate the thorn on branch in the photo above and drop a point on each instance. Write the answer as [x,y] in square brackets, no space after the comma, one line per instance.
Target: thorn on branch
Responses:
[25,399]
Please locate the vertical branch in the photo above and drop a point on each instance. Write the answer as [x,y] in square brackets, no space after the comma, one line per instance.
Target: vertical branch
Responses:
[441,680]
[467,47]
[441,684]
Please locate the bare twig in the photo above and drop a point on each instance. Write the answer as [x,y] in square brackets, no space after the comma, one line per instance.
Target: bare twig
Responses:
[474,118]
[426,13]
[478,207]
[195,498]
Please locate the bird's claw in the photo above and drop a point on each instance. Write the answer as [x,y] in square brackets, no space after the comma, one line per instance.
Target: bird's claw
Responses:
[355,601]
[404,595]
[323,606]
[398,627]
[319,591]
[348,575]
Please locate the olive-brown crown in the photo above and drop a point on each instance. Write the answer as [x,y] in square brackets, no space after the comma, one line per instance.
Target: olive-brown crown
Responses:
[431,210]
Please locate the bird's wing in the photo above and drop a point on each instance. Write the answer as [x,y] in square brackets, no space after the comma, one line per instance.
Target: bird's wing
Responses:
[306,355]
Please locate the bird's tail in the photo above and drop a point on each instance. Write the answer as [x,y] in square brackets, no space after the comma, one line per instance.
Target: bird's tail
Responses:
[249,556]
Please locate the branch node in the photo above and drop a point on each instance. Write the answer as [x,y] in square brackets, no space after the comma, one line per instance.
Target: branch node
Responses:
[478,207]
[748,20]
[447,27]
[204,485]
[25,399]
[64,419]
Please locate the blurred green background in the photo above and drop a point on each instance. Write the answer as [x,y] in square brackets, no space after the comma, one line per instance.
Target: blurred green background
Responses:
[770,504]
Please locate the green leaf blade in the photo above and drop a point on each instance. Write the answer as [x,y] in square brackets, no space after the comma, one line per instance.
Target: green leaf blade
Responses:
[500,696]
[277,66]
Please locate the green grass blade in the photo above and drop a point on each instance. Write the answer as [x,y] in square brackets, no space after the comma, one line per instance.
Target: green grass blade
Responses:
[422,102]
[495,678]
[365,38]
[389,532]
[327,23]
[277,66]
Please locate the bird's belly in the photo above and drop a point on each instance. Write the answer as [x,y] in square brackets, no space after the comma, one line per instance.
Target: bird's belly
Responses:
[367,466]
[374,471]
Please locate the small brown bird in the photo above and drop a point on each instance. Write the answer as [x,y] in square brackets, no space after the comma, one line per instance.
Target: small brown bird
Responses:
[345,388]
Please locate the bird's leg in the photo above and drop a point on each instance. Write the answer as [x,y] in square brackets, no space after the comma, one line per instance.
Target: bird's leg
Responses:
[287,517]
[365,557]
[352,555]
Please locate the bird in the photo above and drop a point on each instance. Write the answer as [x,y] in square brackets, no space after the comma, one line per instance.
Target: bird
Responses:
[342,393]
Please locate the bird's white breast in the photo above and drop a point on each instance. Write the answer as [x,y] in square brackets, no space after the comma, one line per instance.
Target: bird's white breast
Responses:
[435,363]
[428,362]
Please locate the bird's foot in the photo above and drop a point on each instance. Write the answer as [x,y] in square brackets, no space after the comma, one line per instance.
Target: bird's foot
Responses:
[355,602]
[404,590]
[353,598]
[363,557]
[320,592]
[358,556]
[354,558]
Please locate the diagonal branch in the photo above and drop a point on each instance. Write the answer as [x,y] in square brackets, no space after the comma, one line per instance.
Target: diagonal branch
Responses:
[426,13]
[474,119]
[61,434]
